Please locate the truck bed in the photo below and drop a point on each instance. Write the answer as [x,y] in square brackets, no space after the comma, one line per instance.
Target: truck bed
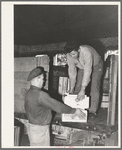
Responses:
[97,124]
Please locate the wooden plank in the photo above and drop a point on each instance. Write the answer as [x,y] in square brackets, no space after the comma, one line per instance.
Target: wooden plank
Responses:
[112,90]
[109,99]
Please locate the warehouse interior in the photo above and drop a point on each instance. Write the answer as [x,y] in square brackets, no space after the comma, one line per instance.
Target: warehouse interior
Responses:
[40,33]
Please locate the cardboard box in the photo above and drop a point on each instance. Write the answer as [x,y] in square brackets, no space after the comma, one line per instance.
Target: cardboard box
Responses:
[70,101]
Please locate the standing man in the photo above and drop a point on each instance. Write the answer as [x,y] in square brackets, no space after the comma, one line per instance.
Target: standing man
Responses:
[38,106]
[90,68]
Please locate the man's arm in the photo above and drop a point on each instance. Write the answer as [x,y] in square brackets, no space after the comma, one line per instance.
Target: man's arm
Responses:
[88,62]
[58,107]
[71,72]
[51,103]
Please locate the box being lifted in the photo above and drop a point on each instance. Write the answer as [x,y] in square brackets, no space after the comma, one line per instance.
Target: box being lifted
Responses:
[70,101]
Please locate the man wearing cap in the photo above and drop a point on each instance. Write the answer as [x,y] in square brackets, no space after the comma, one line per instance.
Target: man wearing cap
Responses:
[90,67]
[38,106]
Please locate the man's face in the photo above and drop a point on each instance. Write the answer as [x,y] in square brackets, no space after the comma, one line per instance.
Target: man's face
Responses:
[41,80]
[74,54]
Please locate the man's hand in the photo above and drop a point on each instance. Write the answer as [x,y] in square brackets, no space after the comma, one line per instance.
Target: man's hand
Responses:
[79,112]
[81,95]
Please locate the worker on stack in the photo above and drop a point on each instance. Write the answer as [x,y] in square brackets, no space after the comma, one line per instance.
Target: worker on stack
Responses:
[38,106]
[89,64]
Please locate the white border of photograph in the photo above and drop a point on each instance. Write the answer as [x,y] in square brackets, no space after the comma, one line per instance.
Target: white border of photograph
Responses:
[7,80]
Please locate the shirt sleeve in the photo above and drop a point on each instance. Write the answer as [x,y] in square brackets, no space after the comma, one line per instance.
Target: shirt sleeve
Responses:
[87,60]
[71,71]
[54,105]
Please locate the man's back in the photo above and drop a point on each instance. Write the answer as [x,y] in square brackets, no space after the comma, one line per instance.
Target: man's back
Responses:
[37,113]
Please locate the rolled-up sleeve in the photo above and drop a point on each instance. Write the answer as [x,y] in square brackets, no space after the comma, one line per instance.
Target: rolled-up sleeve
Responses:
[88,61]
[50,103]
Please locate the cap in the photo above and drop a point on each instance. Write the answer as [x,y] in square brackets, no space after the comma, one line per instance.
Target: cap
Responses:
[35,73]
